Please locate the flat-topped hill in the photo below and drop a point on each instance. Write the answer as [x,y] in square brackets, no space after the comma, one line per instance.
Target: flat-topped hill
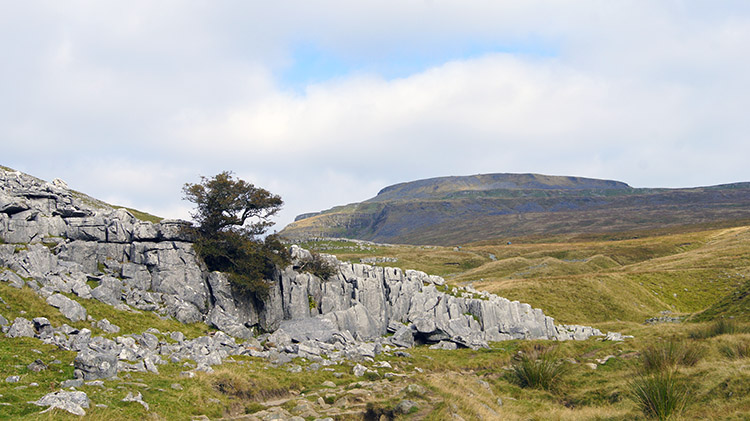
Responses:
[458,210]
[448,187]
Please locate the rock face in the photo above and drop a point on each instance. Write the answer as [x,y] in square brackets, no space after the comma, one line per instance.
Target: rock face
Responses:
[371,301]
[71,240]
[64,244]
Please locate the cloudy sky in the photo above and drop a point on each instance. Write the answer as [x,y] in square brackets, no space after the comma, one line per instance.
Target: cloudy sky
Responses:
[326,102]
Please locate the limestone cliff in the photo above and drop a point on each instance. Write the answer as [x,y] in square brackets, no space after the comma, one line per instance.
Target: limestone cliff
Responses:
[60,242]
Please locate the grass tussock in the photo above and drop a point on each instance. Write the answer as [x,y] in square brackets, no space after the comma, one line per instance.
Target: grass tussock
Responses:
[735,348]
[671,354]
[539,369]
[659,395]
[719,327]
[236,384]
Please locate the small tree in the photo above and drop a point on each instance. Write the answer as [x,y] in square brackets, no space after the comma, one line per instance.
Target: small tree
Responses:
[225,204]
[230,215]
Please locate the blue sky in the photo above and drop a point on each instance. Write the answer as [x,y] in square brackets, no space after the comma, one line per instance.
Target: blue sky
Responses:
[312,64]
[327,102]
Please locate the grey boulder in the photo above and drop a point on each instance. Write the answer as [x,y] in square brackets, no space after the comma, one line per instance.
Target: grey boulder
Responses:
[69,308]
[13,279]
[73,402]
[21,327]
[94,365]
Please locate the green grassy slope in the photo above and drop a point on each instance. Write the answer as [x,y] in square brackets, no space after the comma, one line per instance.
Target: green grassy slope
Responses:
[588,280]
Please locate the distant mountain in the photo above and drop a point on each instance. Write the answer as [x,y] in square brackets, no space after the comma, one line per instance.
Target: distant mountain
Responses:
[457,210]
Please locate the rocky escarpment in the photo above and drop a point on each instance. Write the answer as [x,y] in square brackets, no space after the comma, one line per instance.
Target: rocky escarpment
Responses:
[459,210]
[56,242]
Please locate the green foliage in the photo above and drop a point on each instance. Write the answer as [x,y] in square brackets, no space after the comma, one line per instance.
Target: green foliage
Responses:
[670,354]
[473,316]
[317,265]
[225,204]
[538,369]
[311,302]
[250,263]
[230,215]
[659,395]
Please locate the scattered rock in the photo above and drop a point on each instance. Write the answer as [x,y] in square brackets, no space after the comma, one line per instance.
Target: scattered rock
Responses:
[406,406]
[359,370]
[71,383]
[604,360]
[446,345]
[382,364]
[21,327]
[68,308]
[74,402]
[136,398]
[12,379]
[616,337]
[94,365]
[14,280]
[108,327]
[416,389]
[37,366]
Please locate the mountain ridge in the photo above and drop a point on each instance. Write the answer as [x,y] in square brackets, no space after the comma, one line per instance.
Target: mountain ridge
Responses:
[453,210]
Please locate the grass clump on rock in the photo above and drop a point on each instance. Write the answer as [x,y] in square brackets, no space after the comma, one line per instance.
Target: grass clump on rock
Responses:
[317,265]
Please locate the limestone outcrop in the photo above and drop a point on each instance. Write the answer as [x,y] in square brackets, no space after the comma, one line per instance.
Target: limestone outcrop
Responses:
[58,241]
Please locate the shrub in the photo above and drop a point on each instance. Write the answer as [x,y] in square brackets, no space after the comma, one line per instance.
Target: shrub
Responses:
[660,394]
[318,266]
[311,302]
[670,354]
[250,264]
[539,369]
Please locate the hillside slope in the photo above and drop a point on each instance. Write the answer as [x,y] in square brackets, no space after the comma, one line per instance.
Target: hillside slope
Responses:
[457,210]
[595,279]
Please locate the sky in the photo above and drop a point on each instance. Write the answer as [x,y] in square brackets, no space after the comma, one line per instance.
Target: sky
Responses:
[324,103]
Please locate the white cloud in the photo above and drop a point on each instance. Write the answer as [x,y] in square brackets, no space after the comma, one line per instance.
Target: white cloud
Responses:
[128,101]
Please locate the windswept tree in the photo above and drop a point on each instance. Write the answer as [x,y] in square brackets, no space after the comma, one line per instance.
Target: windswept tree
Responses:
[231,214]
